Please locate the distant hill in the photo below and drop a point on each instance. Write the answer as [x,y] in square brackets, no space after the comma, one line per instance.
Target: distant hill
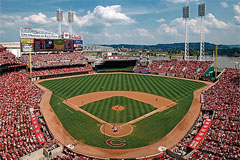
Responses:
[172,46]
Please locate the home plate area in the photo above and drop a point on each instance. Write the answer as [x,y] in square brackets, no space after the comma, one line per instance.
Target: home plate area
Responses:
[116,129]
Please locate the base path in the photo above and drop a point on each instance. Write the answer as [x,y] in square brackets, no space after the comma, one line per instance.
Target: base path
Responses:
[171,139]
[154,100]
[158,102]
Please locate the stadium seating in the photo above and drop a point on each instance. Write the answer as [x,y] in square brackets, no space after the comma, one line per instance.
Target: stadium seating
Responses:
[56,59]
[17,96]
[222,140]
[61,70]
[7,58]
[178,68]
[68,154]
[163,156]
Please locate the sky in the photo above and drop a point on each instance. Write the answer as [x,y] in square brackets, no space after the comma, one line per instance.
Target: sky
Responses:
[124,21]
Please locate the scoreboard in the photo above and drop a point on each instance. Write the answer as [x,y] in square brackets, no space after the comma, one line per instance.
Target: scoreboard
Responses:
[68,45]
[38,45]
[38,40]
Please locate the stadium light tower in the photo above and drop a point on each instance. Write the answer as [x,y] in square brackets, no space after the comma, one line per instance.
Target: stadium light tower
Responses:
[202,13]
[70,21]
[59,19]
[186,16]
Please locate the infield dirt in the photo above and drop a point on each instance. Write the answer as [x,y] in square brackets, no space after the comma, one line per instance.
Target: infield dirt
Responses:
[168,141]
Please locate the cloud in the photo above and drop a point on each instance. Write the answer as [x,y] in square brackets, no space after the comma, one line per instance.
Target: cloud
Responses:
[177,25]
[107,16]
[237,19]
[11,21]
[164,28]
[161,20]
[39,18]
[111,36]
[213,22]
[2,32]
[111,13]
[144,33]
[236,8]
[84,20]
[224,4]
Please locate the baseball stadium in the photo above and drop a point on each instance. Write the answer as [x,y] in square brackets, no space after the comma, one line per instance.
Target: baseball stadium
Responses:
[57,102]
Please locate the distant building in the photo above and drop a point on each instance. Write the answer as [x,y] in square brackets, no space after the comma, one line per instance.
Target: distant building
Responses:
[97,48]
[13,47]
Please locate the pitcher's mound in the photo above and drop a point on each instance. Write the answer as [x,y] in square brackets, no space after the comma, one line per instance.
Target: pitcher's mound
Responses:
[118,108]
[116,129]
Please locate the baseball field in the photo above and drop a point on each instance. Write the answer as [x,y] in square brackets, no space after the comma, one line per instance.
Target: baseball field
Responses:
[145,131]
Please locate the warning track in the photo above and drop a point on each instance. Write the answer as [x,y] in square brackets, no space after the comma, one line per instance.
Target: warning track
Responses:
[171,139]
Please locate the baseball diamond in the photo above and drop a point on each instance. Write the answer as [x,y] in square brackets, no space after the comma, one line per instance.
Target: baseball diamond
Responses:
[146,132]
[119,80]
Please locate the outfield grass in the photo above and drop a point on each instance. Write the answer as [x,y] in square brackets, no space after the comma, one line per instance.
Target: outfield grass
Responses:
[146,131]
[103,109]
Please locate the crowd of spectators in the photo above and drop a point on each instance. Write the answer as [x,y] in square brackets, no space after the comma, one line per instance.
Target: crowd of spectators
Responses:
[7,58]
[223,138]
[163,156]
[182,147]
[61,70]
[54,59]
[19,98]
[178,68]
[68,154]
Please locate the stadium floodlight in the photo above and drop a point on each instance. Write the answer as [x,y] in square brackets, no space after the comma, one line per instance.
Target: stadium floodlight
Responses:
[70,21]
[186,12]
[186,16]
[202,13]
[59,19]
[202,9]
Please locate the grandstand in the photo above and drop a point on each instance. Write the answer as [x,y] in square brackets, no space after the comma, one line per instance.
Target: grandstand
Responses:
[20,98]
[35,127]
[56,64]
[177,68]
[220,104]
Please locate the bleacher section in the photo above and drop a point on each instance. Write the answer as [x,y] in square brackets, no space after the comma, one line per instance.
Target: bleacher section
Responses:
[7,58]
[178,68]
[56,59]
[19,100]
[223,139]
[57,64]
[63,70]
[19,105]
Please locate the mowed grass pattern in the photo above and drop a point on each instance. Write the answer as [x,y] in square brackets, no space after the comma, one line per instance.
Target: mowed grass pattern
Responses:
[170,88]
[146,131]
[103,109]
